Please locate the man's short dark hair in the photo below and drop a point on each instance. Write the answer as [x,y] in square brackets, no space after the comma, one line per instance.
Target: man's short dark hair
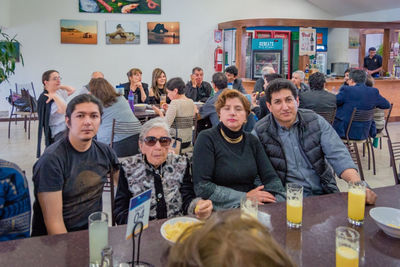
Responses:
[196,69]
[46,75]
[80,99]
[358,76]
[177,83]
[220,80]
[316,81]
[278,85]
[232,70]
[372,49]
[272,76]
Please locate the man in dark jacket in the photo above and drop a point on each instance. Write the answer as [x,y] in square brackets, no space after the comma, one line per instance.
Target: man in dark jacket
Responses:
[231,74]
[357,95]
[317,98]
[299,144]
[196,88]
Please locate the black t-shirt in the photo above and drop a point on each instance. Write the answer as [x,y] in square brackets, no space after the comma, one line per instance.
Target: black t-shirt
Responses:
[373,63]
[137,92]
[79,175]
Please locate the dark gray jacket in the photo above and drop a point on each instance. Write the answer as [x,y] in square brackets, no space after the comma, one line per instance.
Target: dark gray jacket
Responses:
[310,140]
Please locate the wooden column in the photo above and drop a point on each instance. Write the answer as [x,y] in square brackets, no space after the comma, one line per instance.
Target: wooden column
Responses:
[240,55]
[361,49]
[386,50]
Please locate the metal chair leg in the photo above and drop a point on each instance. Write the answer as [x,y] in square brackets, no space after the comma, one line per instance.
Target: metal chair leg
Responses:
[358,161]
[373,156]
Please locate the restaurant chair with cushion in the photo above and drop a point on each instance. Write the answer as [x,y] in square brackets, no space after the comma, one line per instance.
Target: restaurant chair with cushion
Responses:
[128,146]
[362,116]
[328,114]
[23,105]
[26,86]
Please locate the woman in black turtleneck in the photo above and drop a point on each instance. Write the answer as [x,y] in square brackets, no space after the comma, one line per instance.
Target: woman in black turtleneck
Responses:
[227,160]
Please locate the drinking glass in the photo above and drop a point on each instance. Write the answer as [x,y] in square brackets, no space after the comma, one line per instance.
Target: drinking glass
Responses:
[294,205]
[249,206]
[98,236]
[356,202]
[163,99]
[347,247]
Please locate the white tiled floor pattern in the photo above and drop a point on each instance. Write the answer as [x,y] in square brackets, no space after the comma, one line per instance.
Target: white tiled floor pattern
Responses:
[22,151]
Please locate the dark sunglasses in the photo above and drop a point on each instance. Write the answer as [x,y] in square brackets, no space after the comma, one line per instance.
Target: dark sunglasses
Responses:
[151,140]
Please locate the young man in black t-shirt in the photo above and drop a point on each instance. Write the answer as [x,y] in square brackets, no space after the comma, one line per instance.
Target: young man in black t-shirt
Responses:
[70,175]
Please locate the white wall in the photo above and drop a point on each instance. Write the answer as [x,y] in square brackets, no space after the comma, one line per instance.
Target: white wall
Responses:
[4,13]
[382,15]
[37,24]
[338,48]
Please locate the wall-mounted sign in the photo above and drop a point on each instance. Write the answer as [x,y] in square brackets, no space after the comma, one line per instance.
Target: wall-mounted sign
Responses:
[320,37]
[266,44]
[307,37]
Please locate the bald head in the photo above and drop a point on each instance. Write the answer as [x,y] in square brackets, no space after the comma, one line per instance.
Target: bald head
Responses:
[97,74]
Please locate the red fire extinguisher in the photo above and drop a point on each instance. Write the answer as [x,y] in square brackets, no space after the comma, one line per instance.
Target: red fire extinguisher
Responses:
[218,58]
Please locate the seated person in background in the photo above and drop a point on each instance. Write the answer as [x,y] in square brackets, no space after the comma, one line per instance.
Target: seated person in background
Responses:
[158,81]
[317,99]
[196,88]
[346,76]
[261,109]
[96,74]
[298,80]
[227,160]
[179,113]
[115,107]
[379,114]
[260,83]
[69,177]
[140,90]
[231,73]
[228,239]
[51,106]
[15,203]
[299,144]
[357,95]
[167,175]
[373,62]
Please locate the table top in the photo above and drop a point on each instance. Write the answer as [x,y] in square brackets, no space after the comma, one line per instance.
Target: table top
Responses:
[312,245]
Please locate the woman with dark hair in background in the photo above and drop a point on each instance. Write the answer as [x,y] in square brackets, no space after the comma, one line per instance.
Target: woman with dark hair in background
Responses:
[179,113]
[115,107]
[158,83]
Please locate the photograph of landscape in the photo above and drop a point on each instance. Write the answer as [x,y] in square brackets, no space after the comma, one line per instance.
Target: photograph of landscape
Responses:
[78,31]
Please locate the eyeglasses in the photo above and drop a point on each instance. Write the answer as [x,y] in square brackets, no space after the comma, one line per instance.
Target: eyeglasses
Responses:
[151,140]
[56,78]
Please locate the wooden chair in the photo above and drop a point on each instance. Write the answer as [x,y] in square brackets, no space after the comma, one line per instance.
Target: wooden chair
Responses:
[362,116]
[355,156]
[328,114]
[27,115]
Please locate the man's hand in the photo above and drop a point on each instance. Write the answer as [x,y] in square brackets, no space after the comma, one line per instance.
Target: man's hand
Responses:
[370,196]
[261,195]
[203,209]
[193,79]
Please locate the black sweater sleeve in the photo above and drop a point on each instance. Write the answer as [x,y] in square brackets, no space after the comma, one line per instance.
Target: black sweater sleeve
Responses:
[186,190]
[121,205]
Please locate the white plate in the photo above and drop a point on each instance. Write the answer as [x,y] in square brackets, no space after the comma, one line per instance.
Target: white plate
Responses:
[383,216]
[173,221]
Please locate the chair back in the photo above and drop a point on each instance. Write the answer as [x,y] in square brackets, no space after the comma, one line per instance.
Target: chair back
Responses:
[387,120]
[394,151]
[128,146]
[356,158]
[328,114]
[27,86]
[359,116]
[109,187]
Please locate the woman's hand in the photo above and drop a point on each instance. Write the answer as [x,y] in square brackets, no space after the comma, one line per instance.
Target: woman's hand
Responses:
[203,209]
[158,111]
[165,107]
[261,195]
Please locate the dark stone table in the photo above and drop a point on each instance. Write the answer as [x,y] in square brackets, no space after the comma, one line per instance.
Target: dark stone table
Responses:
[312,245]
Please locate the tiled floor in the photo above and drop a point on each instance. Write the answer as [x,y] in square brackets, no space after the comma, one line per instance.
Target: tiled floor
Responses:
[22,151]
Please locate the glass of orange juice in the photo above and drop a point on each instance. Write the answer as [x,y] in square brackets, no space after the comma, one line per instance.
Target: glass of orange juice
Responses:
[163,99]
[356,202]
[294,205]
[347,247]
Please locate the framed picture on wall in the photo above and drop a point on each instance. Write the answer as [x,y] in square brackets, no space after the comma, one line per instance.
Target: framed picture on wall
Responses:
[163,33]
[122,32]
[120,6]
[78,31]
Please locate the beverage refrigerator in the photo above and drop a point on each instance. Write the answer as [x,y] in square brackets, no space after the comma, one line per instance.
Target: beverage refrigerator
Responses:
[263,58]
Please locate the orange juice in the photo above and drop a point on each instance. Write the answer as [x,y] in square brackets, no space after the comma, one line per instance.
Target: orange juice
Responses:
[356,204]
[294,211]
[346,257]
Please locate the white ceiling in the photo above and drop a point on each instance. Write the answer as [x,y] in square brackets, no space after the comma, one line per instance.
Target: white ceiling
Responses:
[349,7]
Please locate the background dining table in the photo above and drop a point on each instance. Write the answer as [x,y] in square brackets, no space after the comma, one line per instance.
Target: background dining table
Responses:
[311,245]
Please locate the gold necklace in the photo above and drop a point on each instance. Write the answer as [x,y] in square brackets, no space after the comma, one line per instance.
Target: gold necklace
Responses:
[231,140]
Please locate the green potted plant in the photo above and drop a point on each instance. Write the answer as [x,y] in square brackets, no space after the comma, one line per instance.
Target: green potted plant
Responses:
[9,54]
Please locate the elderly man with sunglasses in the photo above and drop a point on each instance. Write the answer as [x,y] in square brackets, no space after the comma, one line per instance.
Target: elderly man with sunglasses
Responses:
[166,174]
